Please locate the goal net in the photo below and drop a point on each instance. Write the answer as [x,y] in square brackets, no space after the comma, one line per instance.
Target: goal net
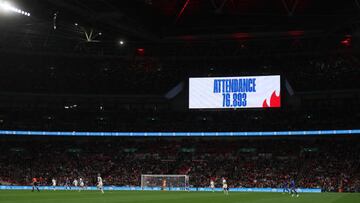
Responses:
[165,182]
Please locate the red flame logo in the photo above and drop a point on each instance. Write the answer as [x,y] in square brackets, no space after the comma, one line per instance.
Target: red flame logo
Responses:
[274,101]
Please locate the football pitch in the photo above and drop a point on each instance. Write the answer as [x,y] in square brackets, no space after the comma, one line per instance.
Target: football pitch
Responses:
[170,197]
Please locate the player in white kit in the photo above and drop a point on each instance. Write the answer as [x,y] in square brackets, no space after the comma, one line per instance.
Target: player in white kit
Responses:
[100,184]
[225,186]
[212,185]
[82,185]
[53,183]
[75,182]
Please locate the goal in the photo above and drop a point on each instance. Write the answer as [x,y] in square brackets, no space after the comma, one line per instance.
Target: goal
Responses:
[165,182]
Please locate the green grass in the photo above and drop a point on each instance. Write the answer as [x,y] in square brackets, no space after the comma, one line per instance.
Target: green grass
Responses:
[169,197]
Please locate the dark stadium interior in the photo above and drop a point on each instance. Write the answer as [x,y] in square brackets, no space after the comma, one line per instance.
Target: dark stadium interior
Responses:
[46,70]
[124,66]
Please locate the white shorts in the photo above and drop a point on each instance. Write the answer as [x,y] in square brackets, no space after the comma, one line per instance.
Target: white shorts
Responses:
[100,185]
[225,186]
[81,184]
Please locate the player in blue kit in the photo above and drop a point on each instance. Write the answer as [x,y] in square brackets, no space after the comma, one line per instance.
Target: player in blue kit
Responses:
[293,189]
[285,187]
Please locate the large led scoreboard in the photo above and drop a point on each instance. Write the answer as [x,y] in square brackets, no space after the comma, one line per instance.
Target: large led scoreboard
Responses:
[234,92]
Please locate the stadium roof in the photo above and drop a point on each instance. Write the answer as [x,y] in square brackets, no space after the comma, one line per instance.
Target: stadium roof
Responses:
[138,22]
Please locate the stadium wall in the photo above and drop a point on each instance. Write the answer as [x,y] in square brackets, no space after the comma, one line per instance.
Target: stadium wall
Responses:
[160,134]
[116,188]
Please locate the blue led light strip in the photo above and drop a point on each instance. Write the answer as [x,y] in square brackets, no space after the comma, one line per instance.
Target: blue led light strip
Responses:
[137,188]
[159,134]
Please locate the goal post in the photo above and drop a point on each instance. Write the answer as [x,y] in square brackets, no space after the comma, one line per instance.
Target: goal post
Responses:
[165,182]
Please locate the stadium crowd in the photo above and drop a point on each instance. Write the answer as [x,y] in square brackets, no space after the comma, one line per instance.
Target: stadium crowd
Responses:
[329,164]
